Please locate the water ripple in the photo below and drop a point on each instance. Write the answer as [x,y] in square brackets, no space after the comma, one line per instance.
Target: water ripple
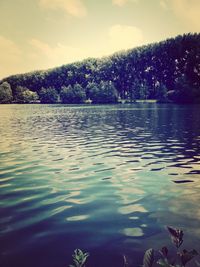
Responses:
[95,177]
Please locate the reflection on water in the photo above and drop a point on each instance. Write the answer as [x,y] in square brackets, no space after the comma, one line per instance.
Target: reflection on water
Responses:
[105,179]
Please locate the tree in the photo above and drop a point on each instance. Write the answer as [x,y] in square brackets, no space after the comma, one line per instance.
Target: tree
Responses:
[48,95]
[143,64]
[30,96]
[19,98]
[5,93]
[134,90]
[73,95]
[92,89]
[103,93]
[184,91]
[144,91]
[24,95]
[161,93]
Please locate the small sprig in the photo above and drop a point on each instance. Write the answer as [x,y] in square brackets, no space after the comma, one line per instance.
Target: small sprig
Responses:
[125,261]
[186,256]
[182,257]
[148,258]
[79,258]
[164,252]
[176,236]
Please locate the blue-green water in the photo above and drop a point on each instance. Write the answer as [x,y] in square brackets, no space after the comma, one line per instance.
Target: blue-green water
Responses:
[106,179]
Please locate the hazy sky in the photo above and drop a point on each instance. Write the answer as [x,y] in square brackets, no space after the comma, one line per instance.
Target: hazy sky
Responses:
[39,34]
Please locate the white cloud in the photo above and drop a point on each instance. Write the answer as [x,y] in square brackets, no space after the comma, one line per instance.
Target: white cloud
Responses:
[119,37]
[10,56]
[11,49]
[122,2]
[56,55]
[73,7]
[42,55]
[124,37]
[188,11]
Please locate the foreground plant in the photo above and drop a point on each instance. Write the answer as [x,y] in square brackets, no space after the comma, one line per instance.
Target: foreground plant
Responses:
[182,257]
[79,258]
[148,258]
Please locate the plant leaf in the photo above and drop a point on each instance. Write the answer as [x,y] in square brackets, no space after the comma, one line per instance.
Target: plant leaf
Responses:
[176,236]
[125,261]
[187,255]
[79,258]
[164,252]
[148,258]
[164,263]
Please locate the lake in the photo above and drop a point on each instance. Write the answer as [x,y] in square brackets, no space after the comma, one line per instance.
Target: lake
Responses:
[105,179]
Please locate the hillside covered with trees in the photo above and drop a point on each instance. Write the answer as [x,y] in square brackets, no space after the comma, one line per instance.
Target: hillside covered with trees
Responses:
[166,71]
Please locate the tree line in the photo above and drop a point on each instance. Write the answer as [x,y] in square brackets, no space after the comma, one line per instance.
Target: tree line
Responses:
[101,93]
[166,71]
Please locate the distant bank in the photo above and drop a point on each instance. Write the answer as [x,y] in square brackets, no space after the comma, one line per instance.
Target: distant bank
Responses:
[168,71]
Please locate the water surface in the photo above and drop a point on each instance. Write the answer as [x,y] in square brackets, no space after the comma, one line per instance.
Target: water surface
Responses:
[106,179]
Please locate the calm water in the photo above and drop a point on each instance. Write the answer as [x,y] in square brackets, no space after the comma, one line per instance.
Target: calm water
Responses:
[106,179]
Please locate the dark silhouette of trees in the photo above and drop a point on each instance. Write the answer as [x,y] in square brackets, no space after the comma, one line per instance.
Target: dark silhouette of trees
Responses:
[5,93]
[24,95]
[73,95]
[168,70]
[104,92]
[48,95]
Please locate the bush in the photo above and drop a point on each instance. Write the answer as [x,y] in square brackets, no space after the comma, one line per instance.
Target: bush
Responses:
[5,93]
[102,93]
[184,91]
[149,260]
[72,95]
[18,96]
[79,258]
[24,95]
[48,95]
[30,96]
[161,93]
[181,259]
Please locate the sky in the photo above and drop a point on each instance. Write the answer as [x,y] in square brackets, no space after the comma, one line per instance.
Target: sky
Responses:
[41,34]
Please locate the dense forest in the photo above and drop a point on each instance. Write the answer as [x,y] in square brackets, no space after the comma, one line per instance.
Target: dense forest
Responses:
[168,71]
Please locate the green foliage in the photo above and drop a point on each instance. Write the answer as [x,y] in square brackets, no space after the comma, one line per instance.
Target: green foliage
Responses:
[79,258]
[134,90]
[185,91]
[161,93]
[19,98]
[19,94]
[92,89]
[149,260]
[24,95]
[145,72]
[66,94]
[176,236]
[182,257]
[5,93]
[143,91]
[48,95]
[30,96]
[102,93]
[73,95]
